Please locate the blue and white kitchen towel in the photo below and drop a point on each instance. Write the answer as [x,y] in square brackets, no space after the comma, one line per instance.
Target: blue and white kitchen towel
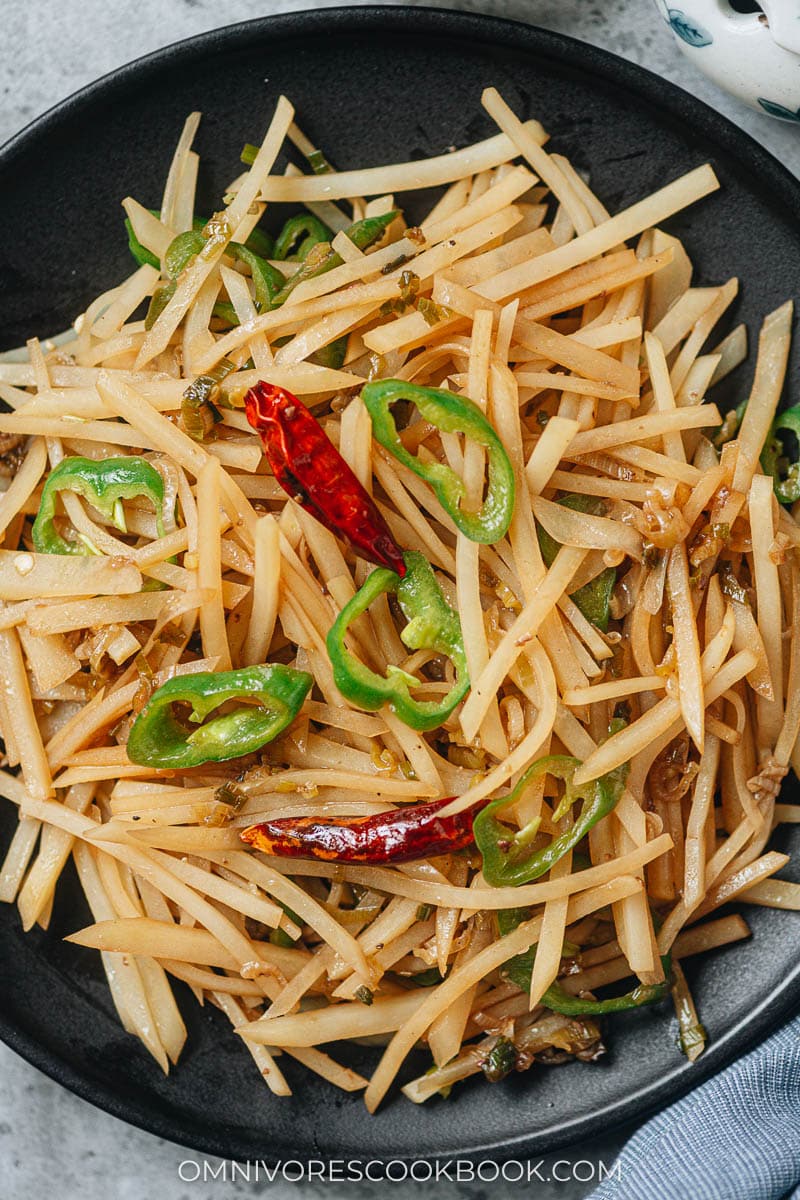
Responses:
[736,1137]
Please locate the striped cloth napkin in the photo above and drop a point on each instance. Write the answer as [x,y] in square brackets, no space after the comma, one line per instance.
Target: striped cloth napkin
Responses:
[736,1137]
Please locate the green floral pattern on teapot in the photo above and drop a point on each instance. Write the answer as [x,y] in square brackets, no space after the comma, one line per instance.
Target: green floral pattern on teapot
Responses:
[753,55]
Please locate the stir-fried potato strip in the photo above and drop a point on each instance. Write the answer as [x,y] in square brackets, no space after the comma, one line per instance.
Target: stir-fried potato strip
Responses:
[617,692]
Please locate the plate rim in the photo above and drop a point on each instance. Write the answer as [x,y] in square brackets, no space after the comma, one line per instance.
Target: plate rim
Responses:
[665,97]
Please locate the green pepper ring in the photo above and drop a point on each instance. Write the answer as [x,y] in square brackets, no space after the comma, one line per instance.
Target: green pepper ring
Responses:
[158,739]
[492,837]
[300,234]
[453,414]
[102,482]
[322,257]
[267,280]
[786,486]
[432,625]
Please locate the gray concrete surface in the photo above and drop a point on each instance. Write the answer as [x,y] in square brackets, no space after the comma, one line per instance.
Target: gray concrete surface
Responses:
[51,1143]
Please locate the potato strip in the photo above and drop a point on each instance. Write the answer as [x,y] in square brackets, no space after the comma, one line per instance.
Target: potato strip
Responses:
[470,972]
[627,594]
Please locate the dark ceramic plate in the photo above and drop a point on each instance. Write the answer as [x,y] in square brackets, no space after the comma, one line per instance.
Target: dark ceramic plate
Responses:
[371,86]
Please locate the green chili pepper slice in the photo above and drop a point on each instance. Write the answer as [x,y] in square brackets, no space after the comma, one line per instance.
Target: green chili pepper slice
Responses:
[161,737]
[432,625]
[158,302]
[430,978]
[561,1001]
[520,968]
[279,937]
[105,483]
[332,355]
[775,460]
[177,256]
[508,859]
[299,236]
[180,252]
[142,256]
[272,289]
[258,241]
[452,414]
[322,257]
[267,280]
[594,598]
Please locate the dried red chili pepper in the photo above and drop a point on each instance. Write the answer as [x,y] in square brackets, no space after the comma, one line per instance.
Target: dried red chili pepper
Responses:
[309,467]
[413,832]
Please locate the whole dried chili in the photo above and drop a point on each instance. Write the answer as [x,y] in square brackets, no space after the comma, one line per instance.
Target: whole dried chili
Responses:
[309,467]
[412,832]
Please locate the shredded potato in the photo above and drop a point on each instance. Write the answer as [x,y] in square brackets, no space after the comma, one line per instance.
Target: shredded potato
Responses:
[633,620]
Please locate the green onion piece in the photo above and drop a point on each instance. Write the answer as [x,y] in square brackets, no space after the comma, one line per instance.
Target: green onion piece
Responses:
[199,417]
[500,1061]
[433,313]
[318,163]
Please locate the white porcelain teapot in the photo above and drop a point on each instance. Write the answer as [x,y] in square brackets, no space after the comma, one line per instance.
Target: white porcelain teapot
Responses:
[754,55]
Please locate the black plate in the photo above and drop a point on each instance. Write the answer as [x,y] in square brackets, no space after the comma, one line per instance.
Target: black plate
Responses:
[371,86]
